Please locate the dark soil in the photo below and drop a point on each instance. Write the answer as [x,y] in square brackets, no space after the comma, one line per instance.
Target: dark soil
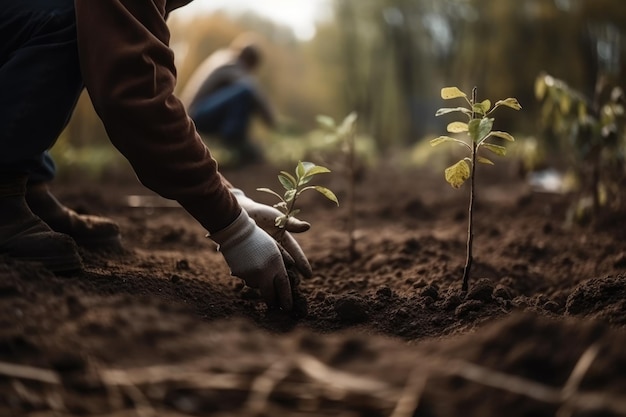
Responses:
[160,328]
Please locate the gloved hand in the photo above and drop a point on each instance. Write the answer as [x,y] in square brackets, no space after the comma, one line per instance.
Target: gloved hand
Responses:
[265,217]
[255,257]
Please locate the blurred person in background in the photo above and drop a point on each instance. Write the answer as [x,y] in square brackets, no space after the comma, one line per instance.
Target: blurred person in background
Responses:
[222,95]
[119,51]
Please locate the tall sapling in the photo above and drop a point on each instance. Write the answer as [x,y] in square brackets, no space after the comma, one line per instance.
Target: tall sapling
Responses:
[478,129]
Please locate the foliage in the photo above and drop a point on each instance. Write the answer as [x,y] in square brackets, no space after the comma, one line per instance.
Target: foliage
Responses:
[591,135]
[479,131]
[294,186]
[345,135]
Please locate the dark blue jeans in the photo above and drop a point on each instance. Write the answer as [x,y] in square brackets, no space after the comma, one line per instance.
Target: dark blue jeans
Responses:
[40,82]
[226,114]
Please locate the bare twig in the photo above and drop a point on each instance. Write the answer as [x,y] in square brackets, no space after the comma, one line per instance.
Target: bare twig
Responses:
[573,382]
[318,371]
[265,383]
[580,370]
[589,401]
[141,403]
[411,395]
[338,384]
[29,372]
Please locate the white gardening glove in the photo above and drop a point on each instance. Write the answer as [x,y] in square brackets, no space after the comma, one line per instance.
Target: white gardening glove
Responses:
[255,257]
[265,218]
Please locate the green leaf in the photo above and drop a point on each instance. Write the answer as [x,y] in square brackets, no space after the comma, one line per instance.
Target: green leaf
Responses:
[289,195]
[326,121]
[480,128]
[448,93]
[457,174]
[281,221]
[347,125]
[582,112]
[267,190]
[300,170]
[312,172]
[509,102]
[281,206]
[446,110]
[482,108]
[503,135]
[457,127]
[497,149]
[484,160]
[287,180]
[540,87]
[317,169]
[327,193]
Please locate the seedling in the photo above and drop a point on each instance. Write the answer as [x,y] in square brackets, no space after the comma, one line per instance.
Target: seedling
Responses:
[294,186]
[590,134]
[345,134]
[479,130]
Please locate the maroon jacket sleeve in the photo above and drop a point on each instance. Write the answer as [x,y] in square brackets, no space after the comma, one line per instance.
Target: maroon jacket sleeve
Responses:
[128,70]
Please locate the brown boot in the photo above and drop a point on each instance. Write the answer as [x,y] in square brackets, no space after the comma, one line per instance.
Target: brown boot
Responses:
[23,236]
[87,230]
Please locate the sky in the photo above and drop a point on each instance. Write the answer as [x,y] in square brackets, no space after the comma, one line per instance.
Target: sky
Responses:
[300,15]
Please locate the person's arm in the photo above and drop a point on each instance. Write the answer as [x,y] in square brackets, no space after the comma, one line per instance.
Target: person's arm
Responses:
[128,70]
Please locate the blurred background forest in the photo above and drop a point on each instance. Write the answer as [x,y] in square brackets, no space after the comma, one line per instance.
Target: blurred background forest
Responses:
[388,59]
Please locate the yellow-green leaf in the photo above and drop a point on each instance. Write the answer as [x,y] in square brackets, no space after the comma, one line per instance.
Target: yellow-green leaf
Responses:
[497,149]
[348,123]
[440,140]
[269,191]
[300,170]
[457,174]
[540,87]
[448,93]
[509,102]
[565,103]
[457,127]
[582,112]
[308,176]
[327,193]
[303,168]
[317,169]
[484,160]
[503,135]
[482,108]
[326,121]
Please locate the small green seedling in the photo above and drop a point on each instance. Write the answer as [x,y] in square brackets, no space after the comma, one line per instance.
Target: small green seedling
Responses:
[294,187]
[479,131]
[345,134]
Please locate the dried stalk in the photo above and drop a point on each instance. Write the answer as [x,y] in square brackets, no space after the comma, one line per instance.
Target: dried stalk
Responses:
[338,384]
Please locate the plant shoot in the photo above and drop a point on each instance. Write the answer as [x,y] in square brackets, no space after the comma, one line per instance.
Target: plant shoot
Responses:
[294,186]
[479,136]
[345,134]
